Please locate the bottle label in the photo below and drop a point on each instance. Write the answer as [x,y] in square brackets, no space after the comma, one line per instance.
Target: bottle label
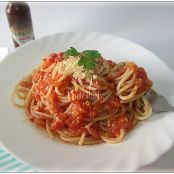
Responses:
[22,37]
[22,33]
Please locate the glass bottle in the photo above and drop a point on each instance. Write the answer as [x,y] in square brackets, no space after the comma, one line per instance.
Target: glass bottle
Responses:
[20,22]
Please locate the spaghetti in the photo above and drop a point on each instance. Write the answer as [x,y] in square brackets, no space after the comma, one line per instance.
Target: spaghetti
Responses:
[84,106]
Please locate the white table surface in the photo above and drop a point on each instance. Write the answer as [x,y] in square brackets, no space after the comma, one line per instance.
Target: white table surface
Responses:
[150,24]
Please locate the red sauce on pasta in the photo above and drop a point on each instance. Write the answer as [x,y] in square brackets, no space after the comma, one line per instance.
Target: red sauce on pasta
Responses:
[61,103]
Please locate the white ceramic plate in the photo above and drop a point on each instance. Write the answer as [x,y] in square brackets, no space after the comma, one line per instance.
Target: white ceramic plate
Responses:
[143,145]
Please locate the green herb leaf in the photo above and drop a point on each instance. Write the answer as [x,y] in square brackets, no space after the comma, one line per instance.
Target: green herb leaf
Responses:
[92,54]
[81,61]
[88,59]
[90,64]
[71,52]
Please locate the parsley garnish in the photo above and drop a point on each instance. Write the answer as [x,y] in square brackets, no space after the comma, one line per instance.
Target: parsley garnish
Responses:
[87,58]
[71,52]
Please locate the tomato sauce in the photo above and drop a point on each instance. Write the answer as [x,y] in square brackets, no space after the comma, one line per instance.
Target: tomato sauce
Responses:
[142,80]
[112,105]
[26,84]
[115,124]
[50,59]
[83,108]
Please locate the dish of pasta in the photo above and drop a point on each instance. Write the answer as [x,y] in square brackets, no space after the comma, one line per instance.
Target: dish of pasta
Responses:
[83,98]
[86,99]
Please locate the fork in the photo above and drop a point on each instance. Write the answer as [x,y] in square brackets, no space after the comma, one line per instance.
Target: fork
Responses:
[158,102]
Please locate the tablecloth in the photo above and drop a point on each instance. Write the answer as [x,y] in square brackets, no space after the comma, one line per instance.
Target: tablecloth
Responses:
[8,163]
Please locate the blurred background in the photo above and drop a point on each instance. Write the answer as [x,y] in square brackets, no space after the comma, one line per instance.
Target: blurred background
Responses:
[150,24]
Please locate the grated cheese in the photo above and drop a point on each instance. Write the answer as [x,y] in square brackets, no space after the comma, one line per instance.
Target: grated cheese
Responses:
[70,67]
